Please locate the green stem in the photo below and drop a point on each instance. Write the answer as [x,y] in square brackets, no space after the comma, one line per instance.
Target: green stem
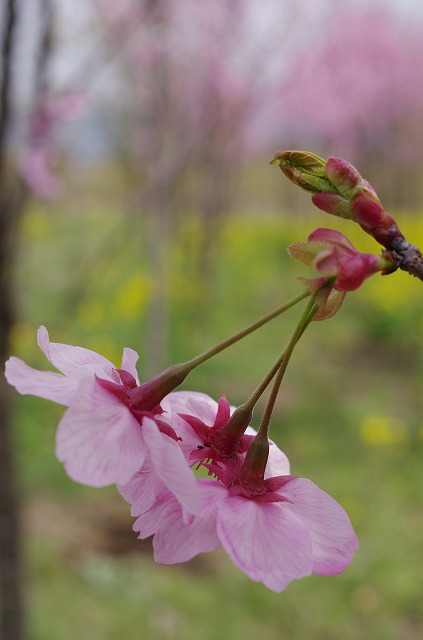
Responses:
[305,320]
[206,355]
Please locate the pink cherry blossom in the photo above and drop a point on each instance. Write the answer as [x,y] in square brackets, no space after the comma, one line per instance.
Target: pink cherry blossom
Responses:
[104,436]
[291,530]
[143,488]
[187,408]
[38,157]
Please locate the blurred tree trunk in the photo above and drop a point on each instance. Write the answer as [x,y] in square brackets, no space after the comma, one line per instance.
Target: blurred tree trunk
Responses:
[159,190]
[11,598]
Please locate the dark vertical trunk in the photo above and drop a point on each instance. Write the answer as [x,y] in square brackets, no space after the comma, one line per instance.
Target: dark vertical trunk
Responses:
[11,600]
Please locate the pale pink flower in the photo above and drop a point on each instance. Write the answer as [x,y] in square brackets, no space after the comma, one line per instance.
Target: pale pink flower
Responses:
[143,488]
[289,530]
[113,427]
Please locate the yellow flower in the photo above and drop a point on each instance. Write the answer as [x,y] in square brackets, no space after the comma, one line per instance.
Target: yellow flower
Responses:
[377,429]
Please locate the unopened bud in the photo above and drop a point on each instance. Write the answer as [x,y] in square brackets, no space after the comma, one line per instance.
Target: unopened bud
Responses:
[344,177]
[304,169]
[334,204]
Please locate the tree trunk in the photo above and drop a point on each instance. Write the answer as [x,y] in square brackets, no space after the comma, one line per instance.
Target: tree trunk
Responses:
[11,599]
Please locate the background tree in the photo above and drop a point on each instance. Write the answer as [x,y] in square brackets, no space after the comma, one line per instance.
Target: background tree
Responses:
[359,93]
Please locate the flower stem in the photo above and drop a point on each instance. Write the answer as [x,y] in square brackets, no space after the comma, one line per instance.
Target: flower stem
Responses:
[305,320]
[206,355]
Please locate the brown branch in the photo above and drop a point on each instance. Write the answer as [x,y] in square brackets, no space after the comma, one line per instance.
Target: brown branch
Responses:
[407,257]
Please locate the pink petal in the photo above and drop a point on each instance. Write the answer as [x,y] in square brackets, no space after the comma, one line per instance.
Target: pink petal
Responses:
[368,210]
[333,204]
[142,490]
[174,540]
[129,360]
[169,464]
[98,439]
[199,405]
[194,403]
[277,463]
[330,236]
[327,262]
[343,175]
[268,542]
[223,412]
[74,361]
[333,538]
[44,384]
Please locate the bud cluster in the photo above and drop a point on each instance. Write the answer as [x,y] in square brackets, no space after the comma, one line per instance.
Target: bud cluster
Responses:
[339,189]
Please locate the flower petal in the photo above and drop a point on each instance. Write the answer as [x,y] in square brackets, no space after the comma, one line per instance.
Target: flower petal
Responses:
[331,237]
[277,463]
[194,403]
[74,361]
[174,540]
[267,541]
[129,360]
[142,490]
[169,463]
[98,439]
[44,384]
[333,538]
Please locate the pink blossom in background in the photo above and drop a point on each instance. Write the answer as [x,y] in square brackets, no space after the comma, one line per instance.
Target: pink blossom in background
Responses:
[102,439]
[38,156]
[38,174]
[358,79]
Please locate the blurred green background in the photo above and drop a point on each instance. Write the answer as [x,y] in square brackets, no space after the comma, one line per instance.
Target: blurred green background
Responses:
[349,417]
[139,210]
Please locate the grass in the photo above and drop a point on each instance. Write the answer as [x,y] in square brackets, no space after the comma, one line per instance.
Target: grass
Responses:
[349,417]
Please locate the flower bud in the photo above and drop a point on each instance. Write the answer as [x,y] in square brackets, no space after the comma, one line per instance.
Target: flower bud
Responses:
[339,189]
[341,266]
[344,177]
[334,204]
[304,169]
